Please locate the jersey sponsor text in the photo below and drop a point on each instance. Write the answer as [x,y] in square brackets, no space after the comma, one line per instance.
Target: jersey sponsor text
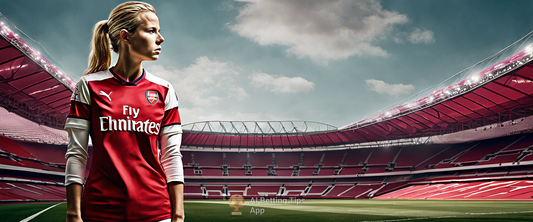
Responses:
[107,123]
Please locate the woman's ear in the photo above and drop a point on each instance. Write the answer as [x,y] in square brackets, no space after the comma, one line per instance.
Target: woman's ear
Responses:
[124,36]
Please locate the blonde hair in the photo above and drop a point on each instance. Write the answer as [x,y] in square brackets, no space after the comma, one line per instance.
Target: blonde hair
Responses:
[106,33]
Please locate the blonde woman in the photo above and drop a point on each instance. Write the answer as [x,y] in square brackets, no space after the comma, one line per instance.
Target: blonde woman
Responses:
[133,120]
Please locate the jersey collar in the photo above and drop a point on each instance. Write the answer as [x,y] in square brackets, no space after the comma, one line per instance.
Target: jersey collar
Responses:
[124,82]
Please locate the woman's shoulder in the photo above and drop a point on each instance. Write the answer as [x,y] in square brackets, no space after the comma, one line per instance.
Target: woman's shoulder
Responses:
[95,76]
[157,80]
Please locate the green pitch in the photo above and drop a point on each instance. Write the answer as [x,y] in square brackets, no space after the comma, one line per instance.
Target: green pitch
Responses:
[319,210]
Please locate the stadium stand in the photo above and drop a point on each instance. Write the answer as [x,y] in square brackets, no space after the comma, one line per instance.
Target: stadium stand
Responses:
[287,159]
[334,158]
[496,190]
[51,154]
[263,190]
[10,127]
[472,139]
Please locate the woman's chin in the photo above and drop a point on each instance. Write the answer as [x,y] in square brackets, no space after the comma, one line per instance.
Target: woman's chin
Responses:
[152,58]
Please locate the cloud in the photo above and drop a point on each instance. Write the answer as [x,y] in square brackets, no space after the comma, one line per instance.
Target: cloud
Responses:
[421,36]
[320,30]
[398,40]
[391,89]
[204,83]
[197,114]
[238,93]
[281,84]
[226,6]
[415,37]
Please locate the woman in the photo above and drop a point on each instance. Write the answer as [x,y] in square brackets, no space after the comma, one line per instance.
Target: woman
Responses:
[133,119]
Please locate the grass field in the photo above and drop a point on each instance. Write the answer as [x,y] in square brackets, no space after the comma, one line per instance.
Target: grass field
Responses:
[319,210]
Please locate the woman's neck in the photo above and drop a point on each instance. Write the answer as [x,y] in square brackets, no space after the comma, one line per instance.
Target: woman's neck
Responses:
[128,69]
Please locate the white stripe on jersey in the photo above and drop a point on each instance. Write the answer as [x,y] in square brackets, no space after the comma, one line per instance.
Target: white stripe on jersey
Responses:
[83,94]
[171,100]
[98,76]
[156,79]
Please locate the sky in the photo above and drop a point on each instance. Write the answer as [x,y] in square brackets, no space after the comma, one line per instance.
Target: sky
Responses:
[334,62]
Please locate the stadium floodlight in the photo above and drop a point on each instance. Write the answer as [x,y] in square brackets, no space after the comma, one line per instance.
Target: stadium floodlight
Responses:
[529,49]
[475,78]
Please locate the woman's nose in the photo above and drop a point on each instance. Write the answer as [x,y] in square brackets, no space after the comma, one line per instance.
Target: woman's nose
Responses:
[160,39]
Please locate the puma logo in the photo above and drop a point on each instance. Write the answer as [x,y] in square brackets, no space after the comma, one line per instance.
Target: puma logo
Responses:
[102,93]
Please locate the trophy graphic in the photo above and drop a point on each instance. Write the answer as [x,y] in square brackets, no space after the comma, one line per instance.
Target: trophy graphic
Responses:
[236,202]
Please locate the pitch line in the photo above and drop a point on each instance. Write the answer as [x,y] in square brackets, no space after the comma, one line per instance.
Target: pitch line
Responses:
[515,212]
[406,219]
[425,218]
[37,214]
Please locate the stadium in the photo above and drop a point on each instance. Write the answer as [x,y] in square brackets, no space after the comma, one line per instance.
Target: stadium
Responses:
[462,152]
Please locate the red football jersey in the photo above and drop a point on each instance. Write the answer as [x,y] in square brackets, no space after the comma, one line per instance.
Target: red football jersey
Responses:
[126,180]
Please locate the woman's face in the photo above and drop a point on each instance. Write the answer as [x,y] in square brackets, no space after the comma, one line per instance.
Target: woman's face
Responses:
[145,43]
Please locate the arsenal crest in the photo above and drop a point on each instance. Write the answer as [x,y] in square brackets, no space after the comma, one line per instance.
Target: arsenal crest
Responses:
[152,96]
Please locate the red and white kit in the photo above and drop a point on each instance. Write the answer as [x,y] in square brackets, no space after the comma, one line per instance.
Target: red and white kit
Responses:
[128,123]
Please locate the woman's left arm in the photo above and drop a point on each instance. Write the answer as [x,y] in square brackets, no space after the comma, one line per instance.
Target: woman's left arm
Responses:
[170,140]
[176,196]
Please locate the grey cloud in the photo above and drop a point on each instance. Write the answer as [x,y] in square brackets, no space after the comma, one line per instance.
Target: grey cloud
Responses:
[382,87]
[421,36]
[320,30]
[281,84]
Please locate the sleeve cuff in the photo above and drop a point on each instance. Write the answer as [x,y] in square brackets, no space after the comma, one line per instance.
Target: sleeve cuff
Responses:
[171,129]
[178,182]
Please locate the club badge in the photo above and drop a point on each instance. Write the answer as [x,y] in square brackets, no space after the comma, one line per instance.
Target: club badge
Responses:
[152,96]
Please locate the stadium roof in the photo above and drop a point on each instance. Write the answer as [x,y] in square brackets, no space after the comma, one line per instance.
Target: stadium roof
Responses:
[499,93]
[258,127]
[30,85]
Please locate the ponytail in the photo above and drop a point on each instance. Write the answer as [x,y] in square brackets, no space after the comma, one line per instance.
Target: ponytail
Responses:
[100,57]
[107,32]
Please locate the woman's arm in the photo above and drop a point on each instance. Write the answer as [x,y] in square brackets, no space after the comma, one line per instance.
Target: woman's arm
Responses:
[176,197]
[170,140]
[74,203]
[77,155]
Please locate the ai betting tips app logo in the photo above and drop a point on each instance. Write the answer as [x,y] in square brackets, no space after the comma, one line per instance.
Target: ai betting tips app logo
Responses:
[236,202]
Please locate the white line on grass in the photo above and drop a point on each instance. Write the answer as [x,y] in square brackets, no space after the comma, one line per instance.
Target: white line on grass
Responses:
[406,219]
[516,212]
[425,218]
[37,214]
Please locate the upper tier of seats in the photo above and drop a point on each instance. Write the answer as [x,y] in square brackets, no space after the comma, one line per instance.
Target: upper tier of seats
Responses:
[510,150]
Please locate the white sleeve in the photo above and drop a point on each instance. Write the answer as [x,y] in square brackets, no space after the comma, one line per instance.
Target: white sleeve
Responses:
[77,155]
[170,139]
